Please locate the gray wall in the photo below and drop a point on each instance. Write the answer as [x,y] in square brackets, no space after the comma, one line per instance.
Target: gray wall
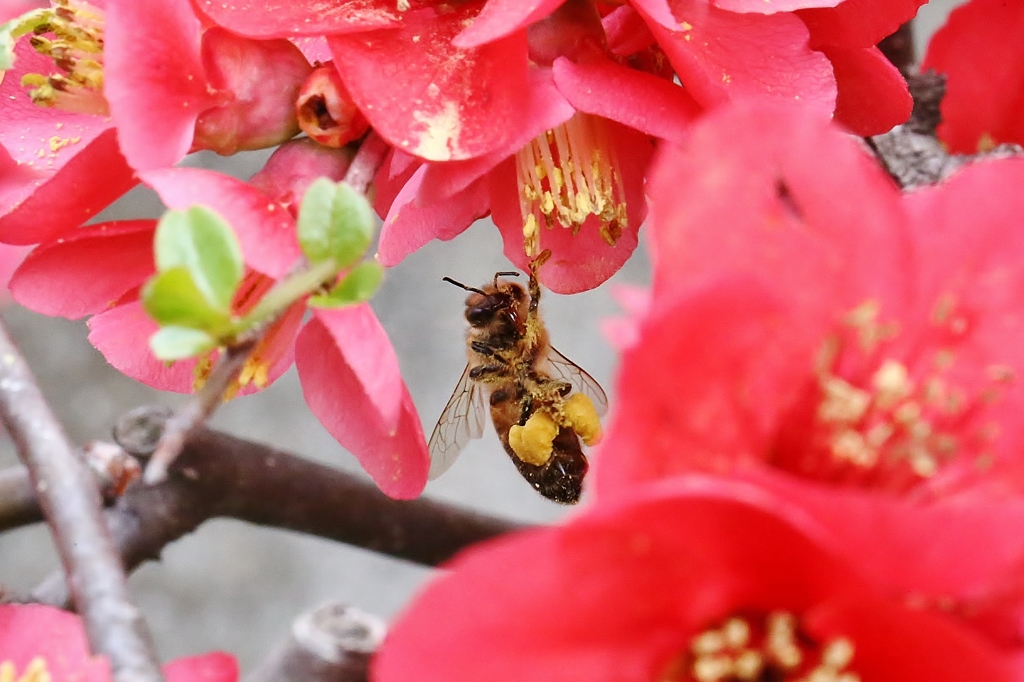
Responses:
[235,586]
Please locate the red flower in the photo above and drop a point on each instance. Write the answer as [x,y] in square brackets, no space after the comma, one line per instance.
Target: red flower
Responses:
[44,643]
[570,178]
[348,368]
[48,160]
[982,55]
[807,320]
[691,581]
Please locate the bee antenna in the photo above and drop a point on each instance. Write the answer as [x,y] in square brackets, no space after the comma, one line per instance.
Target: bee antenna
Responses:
[510,273]
[462,286]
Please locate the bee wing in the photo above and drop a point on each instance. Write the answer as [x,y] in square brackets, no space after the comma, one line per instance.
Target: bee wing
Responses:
[565,369]
[462,421]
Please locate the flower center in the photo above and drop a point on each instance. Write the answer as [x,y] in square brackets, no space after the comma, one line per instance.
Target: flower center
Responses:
[567,175]
[271,348]
[35,671]
[771,649]
[882,421]
[71,34]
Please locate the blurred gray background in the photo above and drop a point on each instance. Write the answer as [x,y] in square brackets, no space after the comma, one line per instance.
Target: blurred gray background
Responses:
[237,587]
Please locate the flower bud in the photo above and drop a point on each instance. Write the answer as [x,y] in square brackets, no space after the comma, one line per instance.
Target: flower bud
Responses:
[326,111]
[257,83]
[293,167]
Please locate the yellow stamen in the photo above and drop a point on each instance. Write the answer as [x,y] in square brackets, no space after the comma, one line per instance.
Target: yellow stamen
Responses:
[568,174]
[71,34]
[35,671]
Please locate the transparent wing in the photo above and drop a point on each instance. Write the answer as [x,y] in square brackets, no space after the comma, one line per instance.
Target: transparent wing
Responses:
[462,421]
[565,369]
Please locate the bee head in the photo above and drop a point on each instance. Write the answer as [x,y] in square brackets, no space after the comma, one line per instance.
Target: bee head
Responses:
[498,302]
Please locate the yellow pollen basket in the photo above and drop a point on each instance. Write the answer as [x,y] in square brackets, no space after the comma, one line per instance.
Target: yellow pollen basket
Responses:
[533,442]
[35,671]
[71,34]
[582,416]
[567,175]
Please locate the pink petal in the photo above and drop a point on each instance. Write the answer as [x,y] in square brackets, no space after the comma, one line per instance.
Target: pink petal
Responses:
[721,55]
[545,109]
[626,31]
[122,334]
[500,18]
[397,460]
[706,385]
[623,331]
[264,228]
[215,666]
[633,98]
[28,631]
[154,79]
[10,9]
[772,6]
[780,205]
[981,53]
[367,350]
[413,221]
[286,18]
[429,98]
[49,161]
[873,96]
[86,271]
[858,23]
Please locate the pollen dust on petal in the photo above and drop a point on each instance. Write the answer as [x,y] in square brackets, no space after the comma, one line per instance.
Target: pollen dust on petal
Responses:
[439,140]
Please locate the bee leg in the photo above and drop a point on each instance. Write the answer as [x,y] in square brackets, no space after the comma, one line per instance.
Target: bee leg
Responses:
[485,350]
[483,370]
[534,282]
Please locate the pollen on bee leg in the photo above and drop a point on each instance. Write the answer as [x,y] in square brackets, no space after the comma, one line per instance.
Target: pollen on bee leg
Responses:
[533,442]
[568,174]
[581,415]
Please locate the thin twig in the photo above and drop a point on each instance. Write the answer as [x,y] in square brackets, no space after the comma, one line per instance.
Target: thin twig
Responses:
[113,469]
[219,475]
[197,410]
[204,403]
[332,643]
[73,508]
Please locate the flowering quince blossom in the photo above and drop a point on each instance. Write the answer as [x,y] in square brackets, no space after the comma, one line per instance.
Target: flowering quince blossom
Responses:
[981,53]
[850,348]
[820,324]
[348,369]
[102,80]
[45,644]
[703,581]
[514,113]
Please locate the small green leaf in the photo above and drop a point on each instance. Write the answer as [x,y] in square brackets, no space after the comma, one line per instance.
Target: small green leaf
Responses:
[200,241]
[359,285]
[172,298]
[335,221]
[6,46]
[178,343]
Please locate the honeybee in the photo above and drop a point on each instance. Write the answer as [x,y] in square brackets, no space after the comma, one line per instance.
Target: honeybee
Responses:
[541,403]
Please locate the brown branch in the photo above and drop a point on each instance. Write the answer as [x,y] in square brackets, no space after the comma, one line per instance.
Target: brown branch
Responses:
[219,475]
[204,403]
[73,508]
[332,643]
[113,469]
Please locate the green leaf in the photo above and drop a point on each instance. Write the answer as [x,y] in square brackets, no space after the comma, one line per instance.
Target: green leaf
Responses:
[178,343]
[6,46]
[335,221]
[359,285]
[172,298]
[200,241]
